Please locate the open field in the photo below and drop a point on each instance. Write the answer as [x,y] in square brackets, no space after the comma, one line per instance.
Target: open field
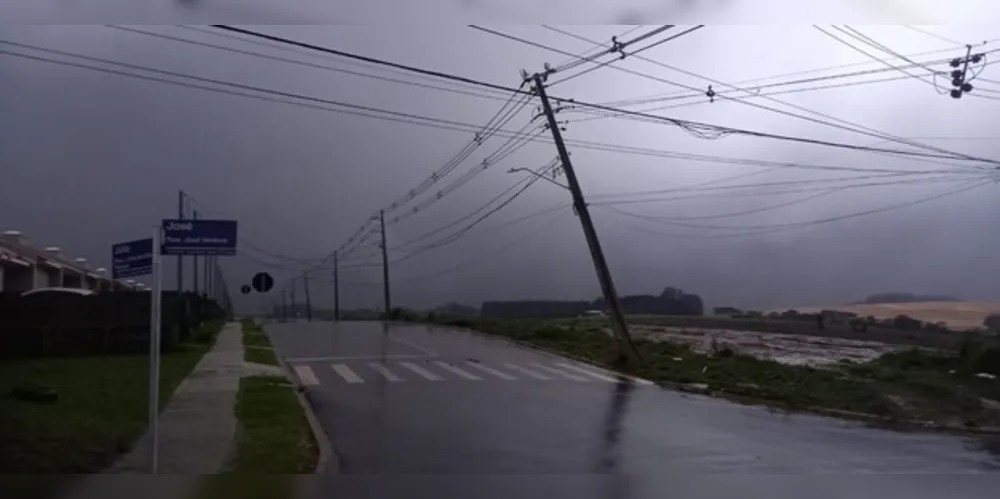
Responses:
[953,389]
[957,314]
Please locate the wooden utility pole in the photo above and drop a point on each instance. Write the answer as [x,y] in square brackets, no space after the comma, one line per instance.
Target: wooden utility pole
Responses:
[180,258]
[626,349]
[336,288]
[309,310]
[295,312]
[385,268]
[284,307]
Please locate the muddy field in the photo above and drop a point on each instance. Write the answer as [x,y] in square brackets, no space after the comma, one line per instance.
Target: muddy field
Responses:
[957,315]
[792,349]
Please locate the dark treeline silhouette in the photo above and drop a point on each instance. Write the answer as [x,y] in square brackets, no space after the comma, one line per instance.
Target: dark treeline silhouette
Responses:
[902,298]
[671,301]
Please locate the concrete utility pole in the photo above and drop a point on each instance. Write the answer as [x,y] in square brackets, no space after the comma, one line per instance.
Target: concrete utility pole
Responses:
[309,311]
[284,308]
[385,267]
[194,260]
[295,312]
[180,258]
[206,283]
[336,288]
[625,347]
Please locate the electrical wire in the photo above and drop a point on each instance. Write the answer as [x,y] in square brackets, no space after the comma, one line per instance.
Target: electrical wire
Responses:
[851,126]
[932,35]
[774,228]
[662,119]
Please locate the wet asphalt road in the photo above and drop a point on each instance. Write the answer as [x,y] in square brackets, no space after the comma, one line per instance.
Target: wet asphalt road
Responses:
[409,399]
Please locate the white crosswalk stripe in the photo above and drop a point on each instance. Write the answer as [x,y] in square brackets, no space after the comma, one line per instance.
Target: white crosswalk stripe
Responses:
[490,370]
[306,375]
[587,372]
[421,371]
[559,372]
[347,373]
[526,371]
[385,372]
[456,370]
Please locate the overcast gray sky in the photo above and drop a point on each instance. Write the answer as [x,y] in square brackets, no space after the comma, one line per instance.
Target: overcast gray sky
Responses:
[90,159]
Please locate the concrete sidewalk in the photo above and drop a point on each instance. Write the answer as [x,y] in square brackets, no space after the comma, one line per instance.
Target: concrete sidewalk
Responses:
[197,428]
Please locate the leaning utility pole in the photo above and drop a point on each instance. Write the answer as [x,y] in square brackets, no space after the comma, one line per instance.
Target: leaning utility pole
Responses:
[385,267]
[625,347]
[309,311]
[336,288]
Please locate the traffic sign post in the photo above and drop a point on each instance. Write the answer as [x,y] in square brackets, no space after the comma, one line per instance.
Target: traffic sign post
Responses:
[199,237]
[262,282]
[154,355]
[132,259]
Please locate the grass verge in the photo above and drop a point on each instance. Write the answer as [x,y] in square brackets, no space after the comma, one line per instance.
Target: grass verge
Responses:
[256,345]
[938,389]
[274,444]
[101,409]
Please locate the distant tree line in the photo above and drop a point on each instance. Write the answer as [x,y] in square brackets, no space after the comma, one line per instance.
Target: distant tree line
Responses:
[671,301]
[902,298]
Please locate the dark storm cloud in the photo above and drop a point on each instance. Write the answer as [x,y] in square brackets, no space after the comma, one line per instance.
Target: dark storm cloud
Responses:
[506,11]
[99,158]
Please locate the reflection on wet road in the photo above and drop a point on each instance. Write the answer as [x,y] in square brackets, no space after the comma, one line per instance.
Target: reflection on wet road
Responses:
[413,399]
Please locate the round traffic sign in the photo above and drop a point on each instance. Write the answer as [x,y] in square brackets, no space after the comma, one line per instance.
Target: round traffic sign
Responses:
[245,289]
[262,282]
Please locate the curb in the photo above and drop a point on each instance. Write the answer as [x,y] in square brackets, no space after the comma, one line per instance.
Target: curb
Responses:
[327,462]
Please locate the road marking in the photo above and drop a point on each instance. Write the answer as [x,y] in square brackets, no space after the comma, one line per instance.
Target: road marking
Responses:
[560,372]
[306,375]
[529,372]
[385,372]
[588,372]
[421,371]
[346,373]
[465,374]
[411,344]
[616,375]
[303,360]
[490,370]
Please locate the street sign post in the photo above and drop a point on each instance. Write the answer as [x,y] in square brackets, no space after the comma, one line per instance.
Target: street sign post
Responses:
[262,282]
[132,259]
[245,289]
[199,237]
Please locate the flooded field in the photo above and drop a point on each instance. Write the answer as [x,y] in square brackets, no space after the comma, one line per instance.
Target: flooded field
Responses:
[792,349]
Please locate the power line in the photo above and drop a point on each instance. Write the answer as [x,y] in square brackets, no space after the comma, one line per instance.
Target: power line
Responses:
[772,228]
[306,64]
[686,124]
[932,35]
[853,127]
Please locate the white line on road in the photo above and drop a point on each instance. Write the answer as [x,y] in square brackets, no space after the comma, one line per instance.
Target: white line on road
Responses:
[560,372]
[529,372]
[346,373]
[300,360]
[616,375]
[465,374]
[384,371]
[490,370]
[411,344]
[306,375]
[588,372]
[421,371]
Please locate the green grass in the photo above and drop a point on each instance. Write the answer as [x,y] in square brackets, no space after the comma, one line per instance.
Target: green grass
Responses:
[914,384]
[274,437]
[261,355]
[101,410]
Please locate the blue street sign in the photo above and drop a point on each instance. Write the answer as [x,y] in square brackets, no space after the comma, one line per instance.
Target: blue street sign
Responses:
[199,237]
[132,259]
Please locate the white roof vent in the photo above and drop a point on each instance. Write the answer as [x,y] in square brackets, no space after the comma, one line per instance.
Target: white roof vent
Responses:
[53,249]
[14,236]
